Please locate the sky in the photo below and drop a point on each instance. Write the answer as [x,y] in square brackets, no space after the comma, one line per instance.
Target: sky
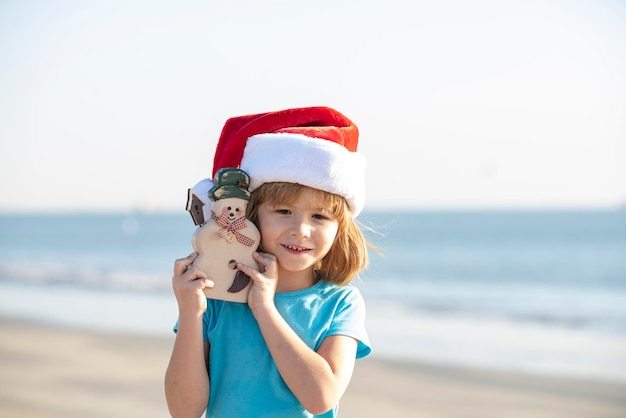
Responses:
[117,105]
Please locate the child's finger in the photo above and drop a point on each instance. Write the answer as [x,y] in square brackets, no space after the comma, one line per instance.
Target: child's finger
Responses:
[204,283]
[181,265]
[247,269]
[266,261]
[194,273]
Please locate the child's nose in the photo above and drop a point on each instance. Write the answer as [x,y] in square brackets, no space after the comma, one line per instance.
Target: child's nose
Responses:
[300,228]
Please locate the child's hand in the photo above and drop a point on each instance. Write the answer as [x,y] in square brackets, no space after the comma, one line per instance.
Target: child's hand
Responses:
[188,283]
[263,282]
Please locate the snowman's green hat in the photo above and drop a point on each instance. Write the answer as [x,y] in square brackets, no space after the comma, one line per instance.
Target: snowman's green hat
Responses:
[230,182]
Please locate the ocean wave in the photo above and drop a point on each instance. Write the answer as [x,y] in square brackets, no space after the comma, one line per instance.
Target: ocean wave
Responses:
[50,274]
[598,309]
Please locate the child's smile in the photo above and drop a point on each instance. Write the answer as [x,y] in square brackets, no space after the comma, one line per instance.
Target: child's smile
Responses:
[296,249]
[299,234]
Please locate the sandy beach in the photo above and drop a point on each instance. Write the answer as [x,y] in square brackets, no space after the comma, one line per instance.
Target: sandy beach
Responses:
[49,372]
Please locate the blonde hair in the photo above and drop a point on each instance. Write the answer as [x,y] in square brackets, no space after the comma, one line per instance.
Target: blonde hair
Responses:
[348,254]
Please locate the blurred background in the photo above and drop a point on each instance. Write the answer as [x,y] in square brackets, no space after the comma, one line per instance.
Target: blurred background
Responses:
[494,132]
[116,105]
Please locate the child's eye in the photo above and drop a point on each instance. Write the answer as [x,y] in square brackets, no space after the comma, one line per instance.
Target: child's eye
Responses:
[320,216]
[283,211]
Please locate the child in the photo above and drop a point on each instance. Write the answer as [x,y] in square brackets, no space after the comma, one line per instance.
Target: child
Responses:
[290,351]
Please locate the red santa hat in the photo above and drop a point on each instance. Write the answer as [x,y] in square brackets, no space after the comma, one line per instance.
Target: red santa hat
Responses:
[313,146]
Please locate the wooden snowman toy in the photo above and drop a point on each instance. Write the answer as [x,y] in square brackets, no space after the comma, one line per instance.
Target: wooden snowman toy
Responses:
[227,238]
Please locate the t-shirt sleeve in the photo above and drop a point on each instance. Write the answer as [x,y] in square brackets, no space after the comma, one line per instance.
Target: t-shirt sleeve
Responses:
[349,320]
[207,319]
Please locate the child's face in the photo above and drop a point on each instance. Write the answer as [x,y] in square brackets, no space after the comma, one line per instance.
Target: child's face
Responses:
[299,234]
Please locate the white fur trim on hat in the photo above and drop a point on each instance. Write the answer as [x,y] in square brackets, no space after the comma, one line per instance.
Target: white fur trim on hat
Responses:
[313,162]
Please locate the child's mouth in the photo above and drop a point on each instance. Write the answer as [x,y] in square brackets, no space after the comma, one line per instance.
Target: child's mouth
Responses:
[296,249]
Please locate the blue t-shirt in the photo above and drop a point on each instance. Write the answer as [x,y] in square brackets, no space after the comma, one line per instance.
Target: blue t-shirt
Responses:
[244,379]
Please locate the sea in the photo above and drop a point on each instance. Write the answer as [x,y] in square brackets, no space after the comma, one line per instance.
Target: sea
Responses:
[539,292]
